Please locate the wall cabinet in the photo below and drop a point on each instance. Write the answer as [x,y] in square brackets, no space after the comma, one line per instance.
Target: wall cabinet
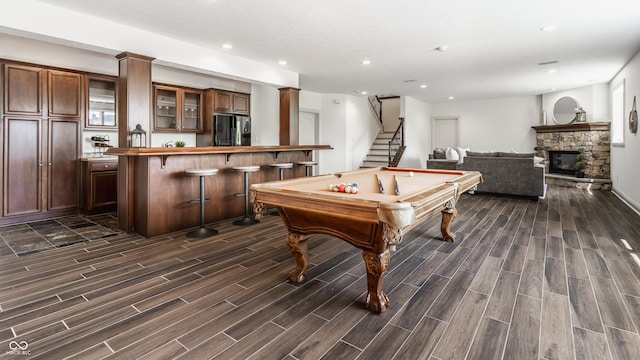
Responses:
[177,109]
[41,142]
[231,102]
[100,186]
[100,104]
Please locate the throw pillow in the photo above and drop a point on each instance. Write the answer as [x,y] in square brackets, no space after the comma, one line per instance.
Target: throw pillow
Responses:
[439,153]
[537,160]
[452,154]
[462,153]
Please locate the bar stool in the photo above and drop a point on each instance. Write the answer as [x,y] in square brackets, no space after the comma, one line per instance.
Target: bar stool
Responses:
[281,166]
[246,220]
[308,166]
[202,231]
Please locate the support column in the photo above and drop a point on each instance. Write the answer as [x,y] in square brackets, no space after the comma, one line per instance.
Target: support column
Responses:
[134,107]
[289,116]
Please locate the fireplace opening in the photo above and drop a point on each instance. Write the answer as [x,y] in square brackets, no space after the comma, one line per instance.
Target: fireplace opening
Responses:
[563,162]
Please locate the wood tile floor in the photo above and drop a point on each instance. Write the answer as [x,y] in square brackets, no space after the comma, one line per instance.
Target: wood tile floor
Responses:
[549,279]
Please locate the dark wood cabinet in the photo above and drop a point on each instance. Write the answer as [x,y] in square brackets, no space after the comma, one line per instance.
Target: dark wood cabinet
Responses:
[22,88]
[100,185]
[22,170]
[177,109]
[65,94]
[231,102]
[41,142]
[63,169]
[100,104]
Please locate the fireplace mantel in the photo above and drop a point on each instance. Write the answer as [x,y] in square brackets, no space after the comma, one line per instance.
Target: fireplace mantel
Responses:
[583,126]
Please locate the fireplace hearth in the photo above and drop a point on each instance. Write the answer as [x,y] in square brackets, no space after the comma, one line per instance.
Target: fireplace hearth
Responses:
[563,162]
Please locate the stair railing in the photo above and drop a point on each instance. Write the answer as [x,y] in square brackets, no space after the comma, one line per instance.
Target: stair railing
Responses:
[396,144]
[376,106]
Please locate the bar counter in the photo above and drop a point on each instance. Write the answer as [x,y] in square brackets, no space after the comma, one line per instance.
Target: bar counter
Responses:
[155,196]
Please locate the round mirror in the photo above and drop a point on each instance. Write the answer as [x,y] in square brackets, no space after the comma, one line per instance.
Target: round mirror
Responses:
[564,111]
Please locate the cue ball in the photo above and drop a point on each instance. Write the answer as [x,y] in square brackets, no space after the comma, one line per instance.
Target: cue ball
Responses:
[410,173]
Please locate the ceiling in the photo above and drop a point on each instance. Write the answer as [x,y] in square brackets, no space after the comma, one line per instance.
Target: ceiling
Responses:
[494,48]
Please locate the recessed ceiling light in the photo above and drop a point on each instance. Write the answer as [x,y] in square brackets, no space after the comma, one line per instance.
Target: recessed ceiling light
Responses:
[423,86]
[282,62]
[366,62]
[548,28]
[451,97]
[227,46]
[363,92]
[551,71]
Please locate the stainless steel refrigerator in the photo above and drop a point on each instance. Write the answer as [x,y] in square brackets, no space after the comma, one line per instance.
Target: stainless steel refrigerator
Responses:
[232,130]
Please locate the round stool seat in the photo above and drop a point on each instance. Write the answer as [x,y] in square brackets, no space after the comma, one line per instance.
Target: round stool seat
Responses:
[308,166]
[247,168]
[201,172]
[308,163]
[282,165]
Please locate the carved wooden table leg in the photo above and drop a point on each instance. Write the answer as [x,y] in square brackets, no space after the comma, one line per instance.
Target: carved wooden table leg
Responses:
[298,246]
[377,265]
[445,225]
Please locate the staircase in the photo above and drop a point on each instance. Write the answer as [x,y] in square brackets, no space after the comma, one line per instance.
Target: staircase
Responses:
[379,153]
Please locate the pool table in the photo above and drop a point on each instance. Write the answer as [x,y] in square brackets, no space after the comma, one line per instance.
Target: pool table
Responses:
[390,202]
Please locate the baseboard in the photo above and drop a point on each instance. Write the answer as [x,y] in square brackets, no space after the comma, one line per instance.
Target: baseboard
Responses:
[630,203]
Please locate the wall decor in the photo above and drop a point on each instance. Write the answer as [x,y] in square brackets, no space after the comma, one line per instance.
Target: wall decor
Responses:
[633,118]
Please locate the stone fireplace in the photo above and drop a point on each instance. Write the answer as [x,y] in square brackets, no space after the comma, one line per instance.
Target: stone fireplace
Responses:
[560,144]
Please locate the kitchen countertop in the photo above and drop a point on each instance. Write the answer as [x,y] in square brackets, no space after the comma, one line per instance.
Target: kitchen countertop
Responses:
[99,158]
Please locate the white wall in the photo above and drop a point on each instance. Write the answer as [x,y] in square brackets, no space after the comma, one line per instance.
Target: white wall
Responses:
[625,160]
[390,113]
[594,99]
[362,128]
[417,118]
[496,124]
[333,132]
[265,115]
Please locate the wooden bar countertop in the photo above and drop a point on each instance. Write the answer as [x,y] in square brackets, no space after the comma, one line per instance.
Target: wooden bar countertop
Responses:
[166,151]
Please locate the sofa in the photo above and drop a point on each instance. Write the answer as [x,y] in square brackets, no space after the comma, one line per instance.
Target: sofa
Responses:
[502,172]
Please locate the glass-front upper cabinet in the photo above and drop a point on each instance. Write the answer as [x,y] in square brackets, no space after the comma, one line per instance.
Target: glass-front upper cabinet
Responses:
[166,100]
[192,112]
[177,109]
[101,103]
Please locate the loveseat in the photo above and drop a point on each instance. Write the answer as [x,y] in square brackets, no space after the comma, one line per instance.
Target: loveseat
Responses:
[502,172]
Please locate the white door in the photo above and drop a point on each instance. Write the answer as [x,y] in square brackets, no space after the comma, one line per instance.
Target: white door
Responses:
[445,132]
[308,131]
